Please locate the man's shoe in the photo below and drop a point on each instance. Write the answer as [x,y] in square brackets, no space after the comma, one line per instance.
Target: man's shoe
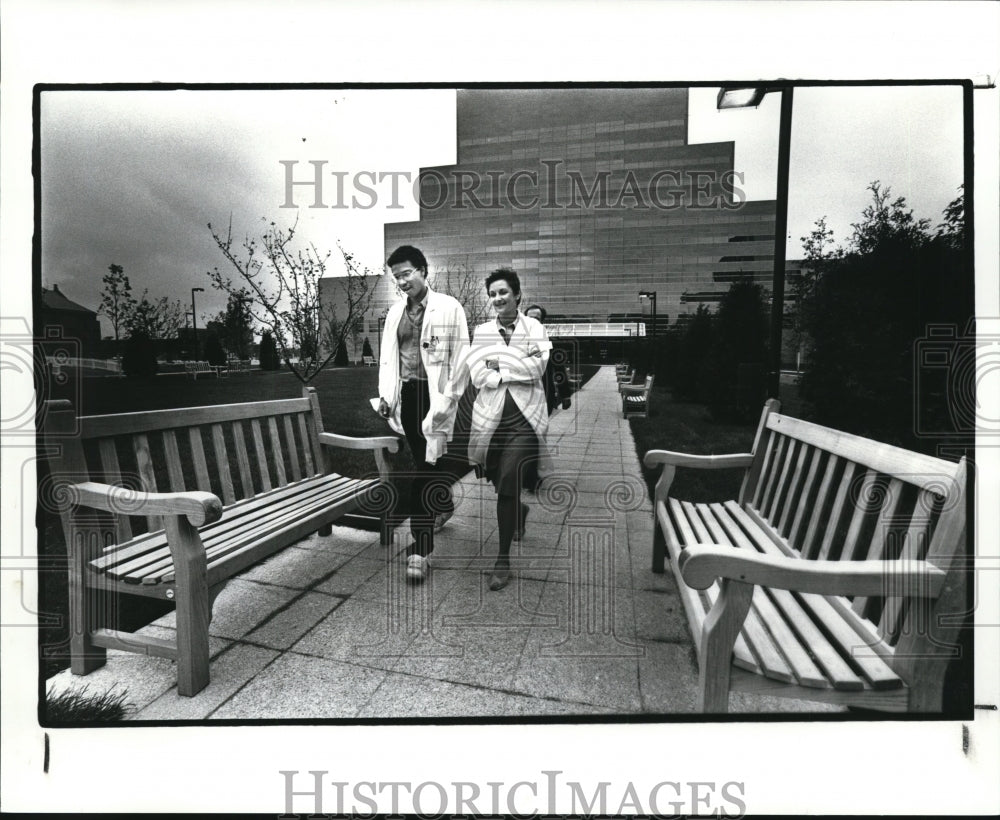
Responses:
[441,519]
[417,568]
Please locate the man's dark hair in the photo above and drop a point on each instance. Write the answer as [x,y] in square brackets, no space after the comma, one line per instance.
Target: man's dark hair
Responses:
[539,308]
[407,253]
[509,275]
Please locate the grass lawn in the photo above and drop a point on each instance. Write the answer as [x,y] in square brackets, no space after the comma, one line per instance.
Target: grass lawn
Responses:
[689,428]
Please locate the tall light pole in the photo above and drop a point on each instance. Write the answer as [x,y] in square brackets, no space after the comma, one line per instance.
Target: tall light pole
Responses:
[651,295]
[730,97]
[194,321]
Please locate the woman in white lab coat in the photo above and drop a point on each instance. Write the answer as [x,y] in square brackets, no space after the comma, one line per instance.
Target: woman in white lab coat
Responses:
[506,362]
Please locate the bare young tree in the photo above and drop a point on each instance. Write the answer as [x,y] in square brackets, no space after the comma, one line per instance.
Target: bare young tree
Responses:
[283,287]
[344,320]
[159,319]
[117,302]
[466,286]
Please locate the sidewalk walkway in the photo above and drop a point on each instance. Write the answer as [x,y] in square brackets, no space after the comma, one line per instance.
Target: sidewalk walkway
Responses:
[329,629]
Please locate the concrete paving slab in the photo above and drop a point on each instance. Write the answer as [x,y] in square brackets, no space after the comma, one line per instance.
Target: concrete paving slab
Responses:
[346,580]
[403,696]
[369,633]
[659,616]
[582,676]
[668,678]
[230,671]
[342,539]
[297,568]
[604,613]
[240,607]
[299,687]
[286,626]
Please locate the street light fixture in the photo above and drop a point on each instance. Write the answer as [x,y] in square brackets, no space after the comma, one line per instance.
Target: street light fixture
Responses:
[744,97]
[651,295]
[194,320]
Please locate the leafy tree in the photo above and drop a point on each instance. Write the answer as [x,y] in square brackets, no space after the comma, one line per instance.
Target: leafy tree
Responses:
[139,357]
[269,359]
[341,359]
[952,231]
[735,369]
[693,347]
[234,325]
[284,297]
[117,302]
[214,351]
[865,310]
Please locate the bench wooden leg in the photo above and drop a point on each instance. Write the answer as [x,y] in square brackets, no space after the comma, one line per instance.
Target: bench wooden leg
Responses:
[194,611]
[659,548]
[721,628]
[386,529]
[84,602]
[325,531]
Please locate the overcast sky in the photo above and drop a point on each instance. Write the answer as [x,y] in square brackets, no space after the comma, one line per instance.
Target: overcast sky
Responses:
[133,177]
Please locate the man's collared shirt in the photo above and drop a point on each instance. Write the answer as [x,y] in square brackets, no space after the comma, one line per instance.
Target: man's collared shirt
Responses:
[411,366]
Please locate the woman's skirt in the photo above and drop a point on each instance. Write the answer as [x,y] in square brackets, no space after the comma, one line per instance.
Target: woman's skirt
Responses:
[512,457]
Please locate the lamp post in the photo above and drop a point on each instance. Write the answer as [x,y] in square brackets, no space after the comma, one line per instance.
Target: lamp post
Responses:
[731,97]
[194,321]
[651,295]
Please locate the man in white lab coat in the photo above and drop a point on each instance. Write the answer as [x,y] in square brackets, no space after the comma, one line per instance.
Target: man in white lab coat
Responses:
[425,334]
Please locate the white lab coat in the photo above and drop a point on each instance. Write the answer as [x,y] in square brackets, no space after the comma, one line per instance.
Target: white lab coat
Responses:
[443,337]
[522,368]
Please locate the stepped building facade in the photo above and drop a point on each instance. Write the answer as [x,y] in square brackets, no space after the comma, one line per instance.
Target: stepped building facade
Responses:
[593,195]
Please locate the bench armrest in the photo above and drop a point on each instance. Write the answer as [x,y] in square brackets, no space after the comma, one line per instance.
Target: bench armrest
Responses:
[380,444]
[701,564]
[390,443]
[715,462]
[199,507]
[631,388]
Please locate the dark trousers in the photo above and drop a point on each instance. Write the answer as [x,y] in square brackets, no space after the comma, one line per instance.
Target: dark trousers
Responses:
[430,489]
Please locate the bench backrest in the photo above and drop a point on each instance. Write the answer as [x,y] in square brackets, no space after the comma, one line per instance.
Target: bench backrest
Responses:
[233,450]
[836,496]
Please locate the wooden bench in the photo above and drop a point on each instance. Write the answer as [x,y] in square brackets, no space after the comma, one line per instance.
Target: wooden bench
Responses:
[837,575]
[368,361]
[624,376]
[258,480]
[635,398]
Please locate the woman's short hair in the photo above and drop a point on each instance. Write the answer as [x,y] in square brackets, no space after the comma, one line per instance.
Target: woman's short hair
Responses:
[509,276]
[407,253]
[539,308]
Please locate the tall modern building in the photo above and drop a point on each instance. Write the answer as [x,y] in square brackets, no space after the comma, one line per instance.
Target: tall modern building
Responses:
[593,196]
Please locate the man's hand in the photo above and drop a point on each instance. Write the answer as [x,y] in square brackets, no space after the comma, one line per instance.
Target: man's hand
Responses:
[493,364]
[383,408]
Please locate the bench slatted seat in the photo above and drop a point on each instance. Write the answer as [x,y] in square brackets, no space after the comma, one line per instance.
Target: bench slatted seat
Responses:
[229,505]
[831,575]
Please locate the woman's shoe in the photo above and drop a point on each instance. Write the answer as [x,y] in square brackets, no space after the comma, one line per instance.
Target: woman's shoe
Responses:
[519,531]
[499,579]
